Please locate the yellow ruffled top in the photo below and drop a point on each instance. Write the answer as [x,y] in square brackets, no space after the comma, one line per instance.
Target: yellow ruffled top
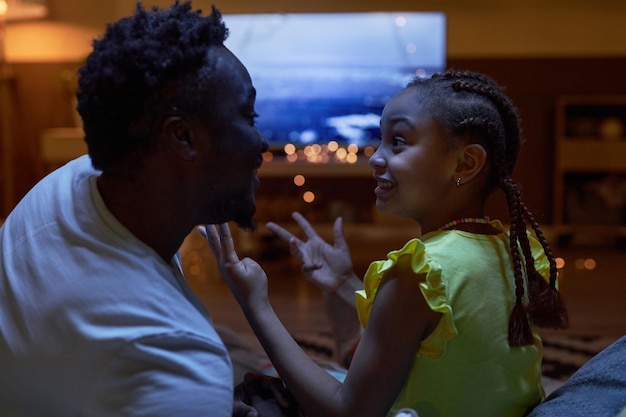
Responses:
[465,367]
[433,288]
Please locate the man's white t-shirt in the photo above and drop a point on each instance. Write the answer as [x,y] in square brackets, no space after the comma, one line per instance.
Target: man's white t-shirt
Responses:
[92,321]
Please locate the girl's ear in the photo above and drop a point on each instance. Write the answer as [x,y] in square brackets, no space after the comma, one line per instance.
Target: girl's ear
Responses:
[472,159]
[180,137]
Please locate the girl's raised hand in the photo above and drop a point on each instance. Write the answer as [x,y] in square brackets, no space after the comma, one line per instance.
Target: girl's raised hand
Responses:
[245,278]
[327,266]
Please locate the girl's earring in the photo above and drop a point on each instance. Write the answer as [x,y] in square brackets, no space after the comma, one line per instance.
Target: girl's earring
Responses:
[458,182]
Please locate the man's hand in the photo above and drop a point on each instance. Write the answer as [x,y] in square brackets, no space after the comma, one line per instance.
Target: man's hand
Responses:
[264,396]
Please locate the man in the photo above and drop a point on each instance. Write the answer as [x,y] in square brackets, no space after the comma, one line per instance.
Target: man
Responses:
[597,389]
[96,318]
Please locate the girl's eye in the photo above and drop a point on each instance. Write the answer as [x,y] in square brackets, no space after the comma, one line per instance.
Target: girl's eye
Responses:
[397,141]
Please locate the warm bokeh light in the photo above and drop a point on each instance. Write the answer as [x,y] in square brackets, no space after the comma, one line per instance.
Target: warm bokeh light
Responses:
[268,156]
[290,149]
[47,41]
[353,148]
[369,151]
[308,197]
[3,8]
[560,263]
[313,158]
[313,153]
[317,153]
[590,264]
[299,180]
[400,21]
[586,263]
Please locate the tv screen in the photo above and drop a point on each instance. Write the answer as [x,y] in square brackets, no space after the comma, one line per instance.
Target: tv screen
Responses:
[324,77]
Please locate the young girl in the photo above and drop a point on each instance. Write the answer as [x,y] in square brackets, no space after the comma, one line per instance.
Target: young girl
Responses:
[449,318]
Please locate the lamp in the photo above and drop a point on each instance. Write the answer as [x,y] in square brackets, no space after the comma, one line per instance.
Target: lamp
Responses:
[24,9]
[6,151]
[32,37]
[3,13]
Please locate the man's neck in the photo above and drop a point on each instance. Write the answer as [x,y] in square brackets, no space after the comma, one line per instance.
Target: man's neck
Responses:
[142,210]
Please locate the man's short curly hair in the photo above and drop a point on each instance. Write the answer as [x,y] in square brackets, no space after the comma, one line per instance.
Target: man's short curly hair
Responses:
[142,66]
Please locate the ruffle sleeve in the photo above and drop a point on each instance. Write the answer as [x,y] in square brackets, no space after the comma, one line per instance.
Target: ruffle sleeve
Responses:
[432,287]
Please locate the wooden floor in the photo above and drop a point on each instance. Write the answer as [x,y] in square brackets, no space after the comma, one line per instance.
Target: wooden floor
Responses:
[592,280]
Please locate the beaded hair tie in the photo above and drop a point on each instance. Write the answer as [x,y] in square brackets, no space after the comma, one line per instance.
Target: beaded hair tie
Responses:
[453,223]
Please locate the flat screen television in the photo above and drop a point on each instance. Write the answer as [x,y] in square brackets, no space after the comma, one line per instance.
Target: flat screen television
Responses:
[324,77]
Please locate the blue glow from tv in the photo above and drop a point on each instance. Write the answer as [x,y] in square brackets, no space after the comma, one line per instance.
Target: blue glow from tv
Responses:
[326,76]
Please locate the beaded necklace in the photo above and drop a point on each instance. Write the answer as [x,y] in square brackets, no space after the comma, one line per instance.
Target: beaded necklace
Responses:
[454,223]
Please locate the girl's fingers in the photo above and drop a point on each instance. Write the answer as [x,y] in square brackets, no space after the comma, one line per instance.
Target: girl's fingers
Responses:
[308,268]
[227,244]
[220,241]
[294,249]
[202,231]
[304,225]
[280,231]
[211,236]
[338,236]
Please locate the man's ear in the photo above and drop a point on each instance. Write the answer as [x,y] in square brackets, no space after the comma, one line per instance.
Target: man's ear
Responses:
[472,159]
[180,137]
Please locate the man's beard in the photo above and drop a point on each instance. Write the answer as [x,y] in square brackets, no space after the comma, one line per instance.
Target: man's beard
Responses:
[246,222]
[233,204]
[240,211]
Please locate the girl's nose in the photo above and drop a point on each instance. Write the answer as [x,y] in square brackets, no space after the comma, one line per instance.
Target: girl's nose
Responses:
[377,161]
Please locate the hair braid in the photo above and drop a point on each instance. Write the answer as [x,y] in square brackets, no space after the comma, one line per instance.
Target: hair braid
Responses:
[501,135]
[546,306]
[536,282]
[519,327]
[511,142]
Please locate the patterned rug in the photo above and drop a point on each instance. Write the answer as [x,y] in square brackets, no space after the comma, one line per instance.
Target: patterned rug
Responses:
[563,354]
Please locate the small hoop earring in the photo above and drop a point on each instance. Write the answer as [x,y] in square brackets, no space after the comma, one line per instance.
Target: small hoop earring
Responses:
[458,182]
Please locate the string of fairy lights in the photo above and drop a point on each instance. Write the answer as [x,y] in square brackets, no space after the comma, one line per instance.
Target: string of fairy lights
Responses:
[327,153]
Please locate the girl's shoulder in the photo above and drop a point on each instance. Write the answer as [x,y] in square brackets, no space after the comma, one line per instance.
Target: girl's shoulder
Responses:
[413,255]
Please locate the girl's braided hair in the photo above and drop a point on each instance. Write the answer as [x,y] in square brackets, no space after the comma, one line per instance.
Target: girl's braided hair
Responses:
[474,107]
